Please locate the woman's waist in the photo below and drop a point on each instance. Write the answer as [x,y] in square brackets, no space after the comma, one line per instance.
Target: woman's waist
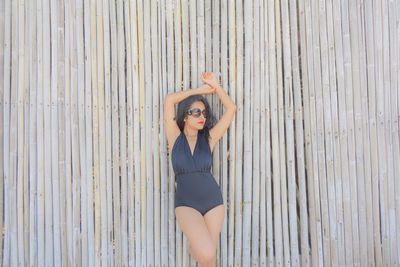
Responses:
[194,173]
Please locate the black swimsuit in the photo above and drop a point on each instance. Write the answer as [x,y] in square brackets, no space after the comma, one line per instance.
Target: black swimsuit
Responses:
[196,186]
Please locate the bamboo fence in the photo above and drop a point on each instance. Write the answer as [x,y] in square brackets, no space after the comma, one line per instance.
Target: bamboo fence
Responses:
[309,168]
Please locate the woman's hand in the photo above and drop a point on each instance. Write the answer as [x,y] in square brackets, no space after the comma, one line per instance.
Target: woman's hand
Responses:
[210,78]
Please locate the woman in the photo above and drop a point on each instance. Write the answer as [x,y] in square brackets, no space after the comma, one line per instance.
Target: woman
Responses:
[199,207]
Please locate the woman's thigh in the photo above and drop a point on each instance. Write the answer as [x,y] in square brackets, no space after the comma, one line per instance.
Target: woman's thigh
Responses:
[214,219]
[193,225]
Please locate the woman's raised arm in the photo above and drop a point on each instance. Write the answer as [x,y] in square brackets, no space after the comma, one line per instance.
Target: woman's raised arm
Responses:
[230,109]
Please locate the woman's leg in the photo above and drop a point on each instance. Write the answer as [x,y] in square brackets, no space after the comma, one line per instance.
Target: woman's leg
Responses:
[201,243]
[214,219]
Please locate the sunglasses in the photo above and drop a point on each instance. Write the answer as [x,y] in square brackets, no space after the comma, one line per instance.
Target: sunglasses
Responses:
[196,112]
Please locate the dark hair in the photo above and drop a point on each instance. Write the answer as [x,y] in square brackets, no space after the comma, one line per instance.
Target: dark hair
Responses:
[184,106]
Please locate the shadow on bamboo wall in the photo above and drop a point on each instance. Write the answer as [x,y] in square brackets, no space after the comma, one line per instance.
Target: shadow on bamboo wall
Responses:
[309,168]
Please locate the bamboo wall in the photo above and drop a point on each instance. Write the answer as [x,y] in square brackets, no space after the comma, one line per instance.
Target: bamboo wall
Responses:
[309,168]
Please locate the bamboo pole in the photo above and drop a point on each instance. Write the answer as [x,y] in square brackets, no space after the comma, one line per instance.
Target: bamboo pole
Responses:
[122,133]
[247,135]
[2,105]
[373,134]
[393,258]
[182,256]
[100,170]
[155,131]
[54,134]
[32,69]
[174,232]
[48,194]
[163,146]
[277,253]
[268,175]
[329,184]
[83,110]
[263,133]
[130,123]
[7,133]
[312,167]
[106,244]
[116,203]
[100,211]
[67,156]
[148,113]
[282,156]
[338,219]
[61,33]
[350,137]
[19,181]
[364,153]
[92,132]
[238,204]
[290,135]
[255,225]
[299,141]
[394,123]
[76,179]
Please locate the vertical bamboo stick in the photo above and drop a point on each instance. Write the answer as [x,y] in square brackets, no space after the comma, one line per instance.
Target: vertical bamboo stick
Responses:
[394,121]
[194,73]
[7,133]
[122,133]
[77,181]
[373,133]
[309,107]
[92,131]
[32,69]
[116,242]
[290,142]
[163,144]
[54,135]
[366,192]
[106,244]
[229,182]
[2,105]
[83,110]
[350,138]
[49,260]
[19,185]
[277,253]
[67,156]
[60,100]
[100,210]
[299,130]
[173,230]
[329,184]
[338,221]
[255,226]
[268,176]
[129,109]
[155,131]
[247,155]
[282,156]
[263,139]
[238,204]
[182,256]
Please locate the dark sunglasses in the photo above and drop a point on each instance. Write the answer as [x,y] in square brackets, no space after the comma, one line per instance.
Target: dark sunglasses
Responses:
[196,112]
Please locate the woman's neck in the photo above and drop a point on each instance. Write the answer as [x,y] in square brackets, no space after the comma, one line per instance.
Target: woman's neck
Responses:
[190,132]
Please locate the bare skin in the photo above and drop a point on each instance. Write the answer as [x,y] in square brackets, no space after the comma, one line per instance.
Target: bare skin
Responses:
[201,231]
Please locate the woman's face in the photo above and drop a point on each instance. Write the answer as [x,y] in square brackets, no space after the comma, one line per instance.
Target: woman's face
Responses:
[194,122]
